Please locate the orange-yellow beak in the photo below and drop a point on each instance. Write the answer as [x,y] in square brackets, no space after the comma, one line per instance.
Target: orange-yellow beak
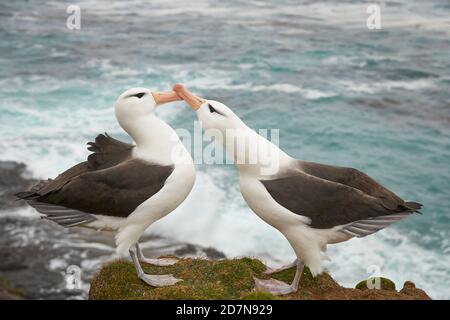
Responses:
[194,101]
[165,97]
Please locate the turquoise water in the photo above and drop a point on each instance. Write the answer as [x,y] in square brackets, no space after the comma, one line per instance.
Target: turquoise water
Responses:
[377,100]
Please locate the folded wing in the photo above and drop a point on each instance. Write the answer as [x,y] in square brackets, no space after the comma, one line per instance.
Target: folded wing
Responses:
[335,196]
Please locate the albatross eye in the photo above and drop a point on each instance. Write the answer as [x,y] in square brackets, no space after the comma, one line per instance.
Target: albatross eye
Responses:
[137,95]
[211,108]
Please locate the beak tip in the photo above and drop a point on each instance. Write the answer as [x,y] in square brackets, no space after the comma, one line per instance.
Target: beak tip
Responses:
[178,87]
[192,100]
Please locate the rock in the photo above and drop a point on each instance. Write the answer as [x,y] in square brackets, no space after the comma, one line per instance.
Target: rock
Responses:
[12,180]
[196,251]
[212,253]
[228,279]
[187,249]
[409,288]
[11,259]
[8,293]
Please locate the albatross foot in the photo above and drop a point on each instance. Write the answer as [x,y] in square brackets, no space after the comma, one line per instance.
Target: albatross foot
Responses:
[270,270]
[274,286]
[162,262]
[159,281]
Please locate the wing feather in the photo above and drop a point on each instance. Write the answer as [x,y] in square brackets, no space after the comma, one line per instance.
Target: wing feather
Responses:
[363,228]
[110,182]
[339,200]
[65,217]
[107,152]
[353,178]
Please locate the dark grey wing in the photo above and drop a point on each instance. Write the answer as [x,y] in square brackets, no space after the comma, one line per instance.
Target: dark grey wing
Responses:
[107,152]
[362,228]
[115,191]
[359,180]
[327,203]
[64,216]
[67,199]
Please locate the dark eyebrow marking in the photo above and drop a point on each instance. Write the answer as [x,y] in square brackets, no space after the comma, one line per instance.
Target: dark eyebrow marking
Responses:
[138,95]
[212,110]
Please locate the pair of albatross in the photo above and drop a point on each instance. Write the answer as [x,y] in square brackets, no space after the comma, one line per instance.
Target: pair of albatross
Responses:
[125,188]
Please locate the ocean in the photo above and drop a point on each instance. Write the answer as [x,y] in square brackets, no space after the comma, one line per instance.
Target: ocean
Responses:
[338,92]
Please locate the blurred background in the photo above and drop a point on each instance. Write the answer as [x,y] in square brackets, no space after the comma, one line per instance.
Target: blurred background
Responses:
[342,94]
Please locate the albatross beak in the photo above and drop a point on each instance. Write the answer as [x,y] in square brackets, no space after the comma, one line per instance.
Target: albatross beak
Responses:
[165,97]
[194,101]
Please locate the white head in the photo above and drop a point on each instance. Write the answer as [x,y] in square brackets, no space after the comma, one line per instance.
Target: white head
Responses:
[134,111]
[136,103]
[212,114]
[216,115]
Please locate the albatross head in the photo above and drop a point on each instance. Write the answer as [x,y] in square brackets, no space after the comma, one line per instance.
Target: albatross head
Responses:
[212,114]
[135,113]
[137,102]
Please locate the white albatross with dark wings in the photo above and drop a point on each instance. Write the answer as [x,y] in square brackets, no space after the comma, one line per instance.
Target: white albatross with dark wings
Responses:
[311,204]
[124,187]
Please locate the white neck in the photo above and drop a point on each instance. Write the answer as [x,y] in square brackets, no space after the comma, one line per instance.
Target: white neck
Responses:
[254,154]
[156,141]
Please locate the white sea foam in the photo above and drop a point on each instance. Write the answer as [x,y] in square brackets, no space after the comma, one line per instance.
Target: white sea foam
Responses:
[398,258]
[344,15]
[213,82]
[26,212]
[378,86]
[156,8]
[57,264]
[346,61]
[91,245]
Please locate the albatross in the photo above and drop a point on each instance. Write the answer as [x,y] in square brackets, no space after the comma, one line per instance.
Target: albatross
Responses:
[311,204]
[123,187]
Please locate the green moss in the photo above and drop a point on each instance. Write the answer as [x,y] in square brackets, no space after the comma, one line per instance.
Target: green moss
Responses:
[202,279]
[386,284]
[223,279]
[307,279]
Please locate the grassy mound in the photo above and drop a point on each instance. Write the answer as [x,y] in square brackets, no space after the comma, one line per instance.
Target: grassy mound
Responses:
[385,283]
[224,279]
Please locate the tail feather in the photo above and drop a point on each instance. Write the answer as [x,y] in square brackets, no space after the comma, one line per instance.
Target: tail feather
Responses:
[26,195]
[413,206]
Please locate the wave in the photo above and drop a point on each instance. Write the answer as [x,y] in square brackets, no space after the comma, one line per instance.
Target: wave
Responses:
[378,86]
[220,84]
